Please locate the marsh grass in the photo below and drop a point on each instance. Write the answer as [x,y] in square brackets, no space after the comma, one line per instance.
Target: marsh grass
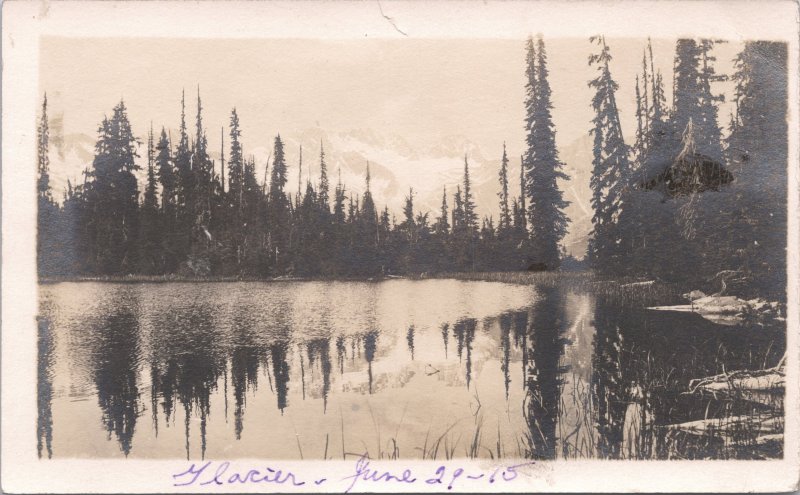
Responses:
[740,425]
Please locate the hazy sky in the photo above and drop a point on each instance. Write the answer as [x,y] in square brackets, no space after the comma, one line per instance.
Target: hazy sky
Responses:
[422,90]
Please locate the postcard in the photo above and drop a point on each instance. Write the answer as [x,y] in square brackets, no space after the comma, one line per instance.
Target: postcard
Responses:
[399,246]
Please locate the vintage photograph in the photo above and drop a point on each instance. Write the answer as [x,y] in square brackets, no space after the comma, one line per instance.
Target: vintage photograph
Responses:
[516,250]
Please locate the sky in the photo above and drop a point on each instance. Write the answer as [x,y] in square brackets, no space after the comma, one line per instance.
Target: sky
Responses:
[422,90]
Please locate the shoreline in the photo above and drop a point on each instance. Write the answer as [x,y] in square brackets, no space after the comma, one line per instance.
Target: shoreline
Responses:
[155,279]
[631,291]
[515,277]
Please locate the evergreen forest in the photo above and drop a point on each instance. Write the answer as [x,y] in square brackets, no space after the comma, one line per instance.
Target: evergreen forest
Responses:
[694,196]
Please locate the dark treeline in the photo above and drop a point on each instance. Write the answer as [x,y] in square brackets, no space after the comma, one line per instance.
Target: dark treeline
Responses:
[196,218]
[684,202]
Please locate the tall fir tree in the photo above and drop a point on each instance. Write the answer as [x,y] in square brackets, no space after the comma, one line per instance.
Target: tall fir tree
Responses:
[710,132]
[522,220]
[757,154]
[42,154]
[235,164]
[686,92]
[112,197]
[610,167]
[150,219]
[50,258]
[324,187]
[339,196]
[458,211]
[442,227]
[171,242]
[278,215]
[470,215]
[367,232]
[186,185]
[505,214]
[543,169]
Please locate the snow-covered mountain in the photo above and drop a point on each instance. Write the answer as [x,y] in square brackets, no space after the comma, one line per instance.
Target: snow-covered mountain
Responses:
[577,157]
[395,165]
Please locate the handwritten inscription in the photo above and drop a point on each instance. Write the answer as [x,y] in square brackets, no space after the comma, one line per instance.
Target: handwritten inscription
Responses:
[363,475]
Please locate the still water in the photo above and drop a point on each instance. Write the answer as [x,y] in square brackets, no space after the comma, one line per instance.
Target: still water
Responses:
[395,369]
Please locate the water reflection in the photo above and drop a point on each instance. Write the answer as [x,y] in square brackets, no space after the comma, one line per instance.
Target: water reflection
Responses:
[464,333]
[188,364]
[370,346]
[115,361]
[610,389]
[544,373]
[44,388]
[280,372]
[319,359]
[596,379]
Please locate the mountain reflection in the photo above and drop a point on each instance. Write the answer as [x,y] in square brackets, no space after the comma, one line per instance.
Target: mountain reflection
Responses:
[610,396]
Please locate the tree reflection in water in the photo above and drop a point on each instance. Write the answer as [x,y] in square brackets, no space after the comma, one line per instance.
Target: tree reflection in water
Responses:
[621,399]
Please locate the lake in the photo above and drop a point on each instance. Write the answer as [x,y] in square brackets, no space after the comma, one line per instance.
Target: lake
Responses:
[395,369]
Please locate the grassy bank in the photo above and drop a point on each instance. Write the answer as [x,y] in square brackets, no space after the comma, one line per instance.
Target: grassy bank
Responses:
[623,290]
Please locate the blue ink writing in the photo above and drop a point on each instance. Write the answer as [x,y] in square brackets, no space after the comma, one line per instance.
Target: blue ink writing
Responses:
[363,472]
[268,475]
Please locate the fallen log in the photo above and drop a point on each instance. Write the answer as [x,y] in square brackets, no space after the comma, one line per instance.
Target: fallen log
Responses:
[725,310]
[766,380]
[766,427]
[639,284]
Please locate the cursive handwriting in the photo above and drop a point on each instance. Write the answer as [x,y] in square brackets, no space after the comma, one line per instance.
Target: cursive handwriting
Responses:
[221,476]
[364,474]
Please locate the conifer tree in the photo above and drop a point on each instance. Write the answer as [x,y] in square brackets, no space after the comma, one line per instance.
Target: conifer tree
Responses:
[186,185]
[150,222]
[757,152]
[543,168]
[112,197]
[458,211]
[470,216]
[442,227]
[686,93]
[693,96]
[167,176]
[709,130]
[522,222]
[235,165]
[505,213]
[322,195]
[339,197]
[408,226]
[48,255]
[611,171]
[43,158]
[278,216]
[367,228]
[203,171]
[646,223]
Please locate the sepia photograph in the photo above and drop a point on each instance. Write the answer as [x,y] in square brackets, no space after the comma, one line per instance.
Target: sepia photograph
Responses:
[410,260]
